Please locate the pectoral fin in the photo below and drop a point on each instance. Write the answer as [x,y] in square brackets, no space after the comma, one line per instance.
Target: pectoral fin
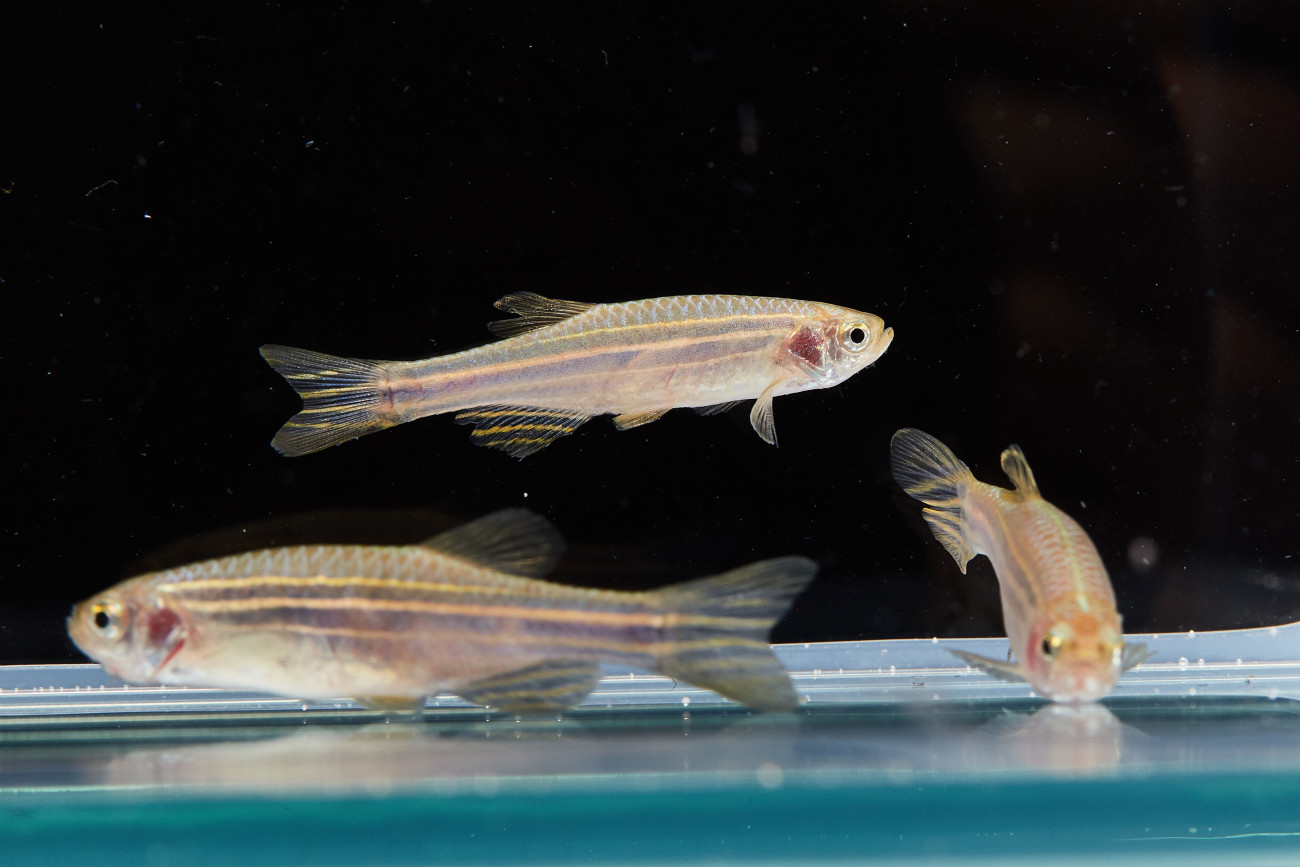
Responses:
[636,419]
[546,687]
[1134,655]
[1008,671]
[761,415]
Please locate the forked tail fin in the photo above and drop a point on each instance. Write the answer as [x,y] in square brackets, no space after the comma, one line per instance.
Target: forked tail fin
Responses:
[342,398]
[718,627]
[928,471]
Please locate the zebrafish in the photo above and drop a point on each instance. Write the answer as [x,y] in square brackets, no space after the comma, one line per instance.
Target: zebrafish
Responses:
[462,613]
[1057,602]
[565,362]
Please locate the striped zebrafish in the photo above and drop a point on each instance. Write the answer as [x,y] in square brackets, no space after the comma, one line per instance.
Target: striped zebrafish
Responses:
[1058,605]
[564,362]
[463,613]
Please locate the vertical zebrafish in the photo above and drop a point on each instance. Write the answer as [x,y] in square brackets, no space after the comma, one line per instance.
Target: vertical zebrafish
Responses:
[1057,602]
[462,613]
[564,362]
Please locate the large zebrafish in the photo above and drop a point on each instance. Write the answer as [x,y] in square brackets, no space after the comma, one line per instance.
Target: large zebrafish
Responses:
[564,362]
[463,613]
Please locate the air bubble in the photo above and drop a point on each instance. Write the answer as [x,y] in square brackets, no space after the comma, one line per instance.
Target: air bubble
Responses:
[1182,663]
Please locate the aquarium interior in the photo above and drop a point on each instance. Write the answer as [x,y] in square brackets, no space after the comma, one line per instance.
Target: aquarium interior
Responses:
[1081,225]
[898,751]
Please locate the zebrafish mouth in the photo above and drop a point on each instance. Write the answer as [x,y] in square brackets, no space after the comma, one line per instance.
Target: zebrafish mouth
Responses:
[1082,682]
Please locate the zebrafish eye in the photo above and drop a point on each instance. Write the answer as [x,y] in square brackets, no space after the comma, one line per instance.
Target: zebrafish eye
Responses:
[106,617]
[1051,644]
[855,336]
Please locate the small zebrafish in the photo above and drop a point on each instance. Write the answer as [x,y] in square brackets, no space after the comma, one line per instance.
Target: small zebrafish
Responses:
[1057,602]
[564,362]
[463,613]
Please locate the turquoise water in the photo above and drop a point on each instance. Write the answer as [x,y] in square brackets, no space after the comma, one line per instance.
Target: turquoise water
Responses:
[941,782]
[1223,816]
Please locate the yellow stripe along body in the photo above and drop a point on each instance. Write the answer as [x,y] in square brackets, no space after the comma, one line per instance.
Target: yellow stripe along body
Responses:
[1047,567]
[396,624]
[616,358]
[571,362]
[353,607]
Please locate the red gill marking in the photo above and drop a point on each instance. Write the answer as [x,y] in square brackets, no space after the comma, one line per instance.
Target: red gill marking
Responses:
[807,344]
[161,625]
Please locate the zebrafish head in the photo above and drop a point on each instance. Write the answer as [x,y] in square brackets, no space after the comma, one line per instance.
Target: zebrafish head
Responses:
[133,635]
[1074,660]
[832,347]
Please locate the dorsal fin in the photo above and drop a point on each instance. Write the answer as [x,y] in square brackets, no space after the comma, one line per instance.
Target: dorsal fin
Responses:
[534,311]
[1017,469]
[514,541]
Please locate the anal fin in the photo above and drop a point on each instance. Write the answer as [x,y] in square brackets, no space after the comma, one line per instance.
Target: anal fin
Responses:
[546,687]
[1007,671]
[636,419]
[520,431]
[946,525]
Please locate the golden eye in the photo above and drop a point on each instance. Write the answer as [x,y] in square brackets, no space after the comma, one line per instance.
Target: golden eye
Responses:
[855,336]
[1051,644]
[106,618]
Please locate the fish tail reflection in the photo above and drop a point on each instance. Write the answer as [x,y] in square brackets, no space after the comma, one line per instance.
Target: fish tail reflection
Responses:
[342,398]
[927,470]
[718,631]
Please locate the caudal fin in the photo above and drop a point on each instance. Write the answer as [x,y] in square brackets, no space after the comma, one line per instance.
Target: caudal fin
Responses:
[342,398]
[718,631]
[928,471]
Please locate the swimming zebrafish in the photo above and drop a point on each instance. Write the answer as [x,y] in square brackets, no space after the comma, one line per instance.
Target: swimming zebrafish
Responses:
[462,613]
[1057,602]
[565,362]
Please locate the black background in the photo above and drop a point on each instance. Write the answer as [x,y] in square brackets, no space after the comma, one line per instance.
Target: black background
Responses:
[1082,226]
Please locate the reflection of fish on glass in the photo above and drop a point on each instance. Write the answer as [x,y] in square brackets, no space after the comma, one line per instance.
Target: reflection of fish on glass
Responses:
[463,613]
[1074,737]
[564,362]
[472,754]
[1057,602]
[368,757]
